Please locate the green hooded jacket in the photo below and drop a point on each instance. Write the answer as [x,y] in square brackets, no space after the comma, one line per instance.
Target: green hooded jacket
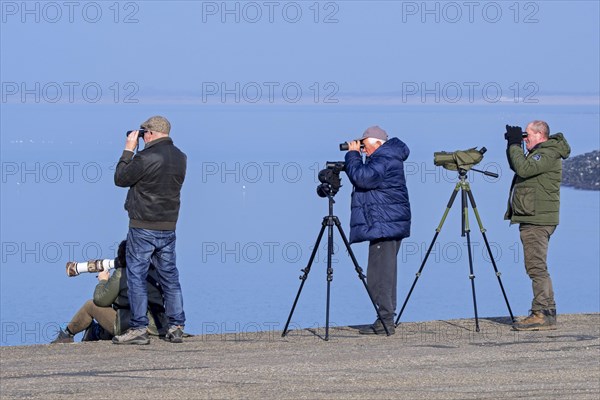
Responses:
[535,190]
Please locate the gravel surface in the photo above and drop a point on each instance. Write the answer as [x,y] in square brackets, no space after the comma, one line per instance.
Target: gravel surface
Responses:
[428,360]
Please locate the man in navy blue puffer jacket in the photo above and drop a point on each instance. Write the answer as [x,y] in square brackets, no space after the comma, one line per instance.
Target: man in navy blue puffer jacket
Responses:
[380,214]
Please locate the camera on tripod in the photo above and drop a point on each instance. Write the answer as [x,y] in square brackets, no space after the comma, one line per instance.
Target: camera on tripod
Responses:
[330,178]
[330,185]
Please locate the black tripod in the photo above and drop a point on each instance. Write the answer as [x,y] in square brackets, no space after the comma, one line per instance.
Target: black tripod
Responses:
[328,222]
[465,191]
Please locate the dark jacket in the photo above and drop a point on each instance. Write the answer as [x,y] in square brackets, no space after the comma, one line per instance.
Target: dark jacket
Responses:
[535,190]
[380,207]
[154,177]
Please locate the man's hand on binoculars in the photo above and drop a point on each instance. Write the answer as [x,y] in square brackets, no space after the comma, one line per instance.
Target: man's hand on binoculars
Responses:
[354,145]
[513,135]
[132,141]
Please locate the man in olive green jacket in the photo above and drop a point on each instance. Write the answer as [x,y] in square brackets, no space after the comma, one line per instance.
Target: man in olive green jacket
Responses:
[110,304]
[534,203]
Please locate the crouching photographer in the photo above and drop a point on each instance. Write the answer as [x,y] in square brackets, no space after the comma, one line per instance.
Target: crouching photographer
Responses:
[108,313]
[380,214]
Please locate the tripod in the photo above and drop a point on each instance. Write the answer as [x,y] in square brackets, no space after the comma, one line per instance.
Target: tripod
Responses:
[465,191]
[328,223]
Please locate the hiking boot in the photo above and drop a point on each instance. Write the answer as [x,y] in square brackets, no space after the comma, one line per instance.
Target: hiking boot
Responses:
[63,337]
[175,334]
[132,336]
[539,320]
[377,328]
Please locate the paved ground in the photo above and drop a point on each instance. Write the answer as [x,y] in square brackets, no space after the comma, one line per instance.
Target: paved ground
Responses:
[432,360]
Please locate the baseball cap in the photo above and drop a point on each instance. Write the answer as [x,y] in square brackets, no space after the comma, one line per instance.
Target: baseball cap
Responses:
[374,132]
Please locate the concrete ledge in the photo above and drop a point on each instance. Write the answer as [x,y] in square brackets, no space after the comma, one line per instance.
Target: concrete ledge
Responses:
[428,360]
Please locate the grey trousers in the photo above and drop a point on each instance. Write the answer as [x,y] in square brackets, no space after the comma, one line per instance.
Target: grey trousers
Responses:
[382,275]
[535,240]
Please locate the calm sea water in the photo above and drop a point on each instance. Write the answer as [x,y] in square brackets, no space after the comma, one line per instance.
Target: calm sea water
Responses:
[250,214]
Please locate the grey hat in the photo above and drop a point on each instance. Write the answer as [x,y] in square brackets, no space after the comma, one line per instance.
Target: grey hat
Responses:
[157,124]
[375,132]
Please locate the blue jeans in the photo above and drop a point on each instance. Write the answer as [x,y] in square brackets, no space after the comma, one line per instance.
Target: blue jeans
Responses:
[143,247]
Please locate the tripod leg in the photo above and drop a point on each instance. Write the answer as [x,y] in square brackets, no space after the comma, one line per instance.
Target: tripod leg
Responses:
[472,278]
[329,271]
[467,231]
[359,271]
[304,276]
[489,250]
[418,275]
[437,232]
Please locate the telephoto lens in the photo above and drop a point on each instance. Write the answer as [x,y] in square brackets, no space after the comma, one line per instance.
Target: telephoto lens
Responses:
[75,268]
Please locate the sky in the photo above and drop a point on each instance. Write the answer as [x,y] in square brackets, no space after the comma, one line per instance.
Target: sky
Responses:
[173,50]
[260,94]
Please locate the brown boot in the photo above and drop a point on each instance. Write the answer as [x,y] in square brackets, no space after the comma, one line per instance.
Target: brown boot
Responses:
[539,320]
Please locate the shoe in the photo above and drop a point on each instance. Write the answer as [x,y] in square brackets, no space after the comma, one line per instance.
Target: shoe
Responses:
[63,337]
[539,320]
[377,328]
[132,336]
[175,334]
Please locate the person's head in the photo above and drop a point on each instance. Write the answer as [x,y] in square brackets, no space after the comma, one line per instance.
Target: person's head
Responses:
[537,132]
[373,138]
[157,127]
[121,254]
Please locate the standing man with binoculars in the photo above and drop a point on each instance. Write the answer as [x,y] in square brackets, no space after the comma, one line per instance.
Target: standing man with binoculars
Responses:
[154,176]
[380,214]
[534,204]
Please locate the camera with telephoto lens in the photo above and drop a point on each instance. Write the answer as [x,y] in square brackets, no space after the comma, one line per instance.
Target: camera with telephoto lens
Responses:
[345,146]
[141,133]
[330,178]
[75,268]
